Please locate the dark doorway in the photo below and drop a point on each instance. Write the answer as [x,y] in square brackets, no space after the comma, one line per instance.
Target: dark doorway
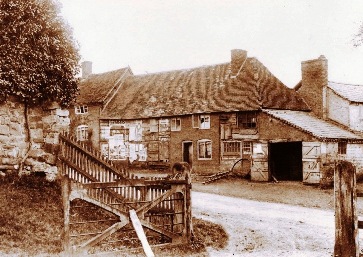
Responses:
[188,152]
[285,160]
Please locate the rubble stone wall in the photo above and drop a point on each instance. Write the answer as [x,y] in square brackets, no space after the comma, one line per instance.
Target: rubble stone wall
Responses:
[45,124]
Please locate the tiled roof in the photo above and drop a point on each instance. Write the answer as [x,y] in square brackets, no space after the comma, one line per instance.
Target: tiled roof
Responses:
[308,123]
[353,93]
[204,89]
[96,87]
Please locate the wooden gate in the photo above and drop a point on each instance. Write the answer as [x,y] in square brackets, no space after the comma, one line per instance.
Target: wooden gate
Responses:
[311,162]
[100,200]
[259,166]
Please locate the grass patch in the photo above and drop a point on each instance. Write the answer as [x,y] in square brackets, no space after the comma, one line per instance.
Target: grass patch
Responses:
[31,221]
[31,215]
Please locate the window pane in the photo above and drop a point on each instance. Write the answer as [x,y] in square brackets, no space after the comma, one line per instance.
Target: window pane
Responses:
[247,120]
[205,149]
[82,133]
[208,150]
[342,148]
[204,121]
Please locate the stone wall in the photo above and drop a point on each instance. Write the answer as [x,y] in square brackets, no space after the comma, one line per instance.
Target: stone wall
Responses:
[45,125]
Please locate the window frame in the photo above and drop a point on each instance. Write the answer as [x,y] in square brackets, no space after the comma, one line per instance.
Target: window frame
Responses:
[82,133]
[228,153]
[197,121]
[81,109]
[205,142]
[250,147]
[174,124]
[342,148]
[247,120]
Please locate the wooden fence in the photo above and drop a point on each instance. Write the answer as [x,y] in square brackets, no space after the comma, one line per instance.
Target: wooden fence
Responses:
[100,200]
[346,218]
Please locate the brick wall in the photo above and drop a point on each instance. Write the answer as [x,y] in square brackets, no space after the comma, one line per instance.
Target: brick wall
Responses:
[314,81]
[188,133]
[45,126]
[90,119]
[273,129]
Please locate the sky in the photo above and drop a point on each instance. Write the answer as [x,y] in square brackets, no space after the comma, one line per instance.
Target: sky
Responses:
[153,35]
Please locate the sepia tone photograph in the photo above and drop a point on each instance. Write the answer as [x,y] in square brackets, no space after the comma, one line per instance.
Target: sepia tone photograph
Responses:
[167,128]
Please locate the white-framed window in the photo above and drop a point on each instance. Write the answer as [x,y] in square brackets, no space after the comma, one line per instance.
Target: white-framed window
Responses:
[201,121]
[175,124]
[231,148]
[247,147]
[204,122]
[81,109]
[82,133]
[204,149]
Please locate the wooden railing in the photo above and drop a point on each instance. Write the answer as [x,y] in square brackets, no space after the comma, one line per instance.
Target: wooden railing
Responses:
[85,164]
[163,205]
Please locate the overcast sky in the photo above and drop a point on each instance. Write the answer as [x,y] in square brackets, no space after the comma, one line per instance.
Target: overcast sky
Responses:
[154,35]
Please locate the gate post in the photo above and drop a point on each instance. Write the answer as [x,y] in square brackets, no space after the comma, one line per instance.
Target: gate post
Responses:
[66,190]
[346,219]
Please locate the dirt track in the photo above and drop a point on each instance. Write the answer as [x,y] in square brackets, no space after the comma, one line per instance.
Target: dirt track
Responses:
[267,229]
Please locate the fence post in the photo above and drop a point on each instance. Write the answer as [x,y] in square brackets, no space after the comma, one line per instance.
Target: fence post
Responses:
[188,207]
[66,209]
[346,220]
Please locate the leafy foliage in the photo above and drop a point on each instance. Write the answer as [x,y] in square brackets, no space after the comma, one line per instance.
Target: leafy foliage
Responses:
[38,54]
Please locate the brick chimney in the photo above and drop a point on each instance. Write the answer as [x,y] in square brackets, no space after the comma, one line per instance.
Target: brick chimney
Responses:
[238,58]
[314,82]
[86,69]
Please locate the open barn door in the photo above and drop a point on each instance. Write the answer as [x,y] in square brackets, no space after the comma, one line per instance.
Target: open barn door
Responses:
[311,162]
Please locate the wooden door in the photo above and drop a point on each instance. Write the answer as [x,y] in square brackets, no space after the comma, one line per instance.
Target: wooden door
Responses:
[311,152]
[259,166]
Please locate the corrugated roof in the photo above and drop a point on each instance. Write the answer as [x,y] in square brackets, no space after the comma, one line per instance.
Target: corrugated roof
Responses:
[353,93]
[203,89]
[306,122]
[96,87]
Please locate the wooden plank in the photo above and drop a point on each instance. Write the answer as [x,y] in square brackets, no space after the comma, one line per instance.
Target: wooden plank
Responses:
[346,219]
[155,202]
[79,194]
[92,155]
[106,233]
[160,230]
[140,233]
[66,214]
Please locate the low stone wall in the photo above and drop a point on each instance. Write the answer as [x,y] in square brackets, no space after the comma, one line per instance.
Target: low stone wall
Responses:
[45,125]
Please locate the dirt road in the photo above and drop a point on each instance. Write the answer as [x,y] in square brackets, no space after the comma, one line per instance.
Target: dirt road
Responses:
[267,229]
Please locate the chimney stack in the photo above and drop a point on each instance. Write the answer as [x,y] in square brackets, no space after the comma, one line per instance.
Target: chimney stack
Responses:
[314,82]
[86,69]
[238,57]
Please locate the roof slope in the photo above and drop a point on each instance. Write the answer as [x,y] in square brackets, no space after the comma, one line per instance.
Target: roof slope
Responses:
[204,89]
[96,87]
[306,122]
[353,93]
